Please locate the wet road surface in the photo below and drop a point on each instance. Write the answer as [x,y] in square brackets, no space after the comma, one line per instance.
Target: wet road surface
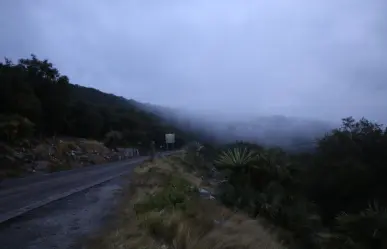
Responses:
[63,223]
[59,210]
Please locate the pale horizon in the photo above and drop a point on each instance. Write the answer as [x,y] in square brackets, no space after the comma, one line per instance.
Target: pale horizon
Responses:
[321,60]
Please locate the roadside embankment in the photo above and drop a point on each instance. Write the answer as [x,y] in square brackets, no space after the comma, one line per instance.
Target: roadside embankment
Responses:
[166,206]
[32,157]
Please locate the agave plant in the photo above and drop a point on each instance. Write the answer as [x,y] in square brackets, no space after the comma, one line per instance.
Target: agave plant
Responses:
[237,163]
[236,157]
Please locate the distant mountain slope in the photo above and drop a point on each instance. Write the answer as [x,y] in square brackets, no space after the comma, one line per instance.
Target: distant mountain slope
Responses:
[289,132]
[34,89]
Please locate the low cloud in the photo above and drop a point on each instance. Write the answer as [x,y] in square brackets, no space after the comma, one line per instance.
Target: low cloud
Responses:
[317,59]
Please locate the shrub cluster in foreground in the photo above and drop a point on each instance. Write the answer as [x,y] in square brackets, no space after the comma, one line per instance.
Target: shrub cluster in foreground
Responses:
[333,198]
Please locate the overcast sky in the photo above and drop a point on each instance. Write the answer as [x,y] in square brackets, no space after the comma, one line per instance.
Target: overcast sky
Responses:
[323,59]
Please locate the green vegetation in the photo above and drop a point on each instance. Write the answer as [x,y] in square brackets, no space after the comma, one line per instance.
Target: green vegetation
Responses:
[175,194]
[163,208]
[35,99]
[333,198]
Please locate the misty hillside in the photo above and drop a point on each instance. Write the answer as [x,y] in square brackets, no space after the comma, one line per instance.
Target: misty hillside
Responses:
[55,106]
[291,133]
[36,100]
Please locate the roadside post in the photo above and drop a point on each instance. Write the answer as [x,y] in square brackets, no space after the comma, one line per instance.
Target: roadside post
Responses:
[152,150]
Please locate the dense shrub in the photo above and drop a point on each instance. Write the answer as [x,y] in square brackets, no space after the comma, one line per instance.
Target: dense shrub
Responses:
[333,198]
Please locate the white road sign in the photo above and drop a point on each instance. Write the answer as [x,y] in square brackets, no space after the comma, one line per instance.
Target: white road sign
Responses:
[170,138]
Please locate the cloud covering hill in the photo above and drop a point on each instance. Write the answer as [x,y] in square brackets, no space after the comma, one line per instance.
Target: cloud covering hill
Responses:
[272,130]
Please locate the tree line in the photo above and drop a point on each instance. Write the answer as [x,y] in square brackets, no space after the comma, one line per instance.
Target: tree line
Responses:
[334,197]
[35,99]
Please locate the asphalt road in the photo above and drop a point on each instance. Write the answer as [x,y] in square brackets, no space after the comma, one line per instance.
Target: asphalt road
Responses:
[55,210]
[65,223]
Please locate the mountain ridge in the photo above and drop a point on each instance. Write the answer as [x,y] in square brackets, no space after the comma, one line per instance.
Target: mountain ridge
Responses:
[269,130]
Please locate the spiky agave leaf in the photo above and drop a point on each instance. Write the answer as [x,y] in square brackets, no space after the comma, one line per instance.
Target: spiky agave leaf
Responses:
[374,208]
[236,157]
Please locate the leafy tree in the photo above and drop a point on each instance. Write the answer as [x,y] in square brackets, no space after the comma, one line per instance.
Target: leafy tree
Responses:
[15,127]
[51,88]
[84,120]
[16,94]
[113,139]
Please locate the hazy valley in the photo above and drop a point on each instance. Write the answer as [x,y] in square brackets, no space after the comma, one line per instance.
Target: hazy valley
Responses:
[290,133]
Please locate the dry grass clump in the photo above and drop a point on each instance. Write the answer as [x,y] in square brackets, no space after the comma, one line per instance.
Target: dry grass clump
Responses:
[63,148]
[198,229]
[90,146]
[162,209]
[239,232]
[96,159]
[42,151]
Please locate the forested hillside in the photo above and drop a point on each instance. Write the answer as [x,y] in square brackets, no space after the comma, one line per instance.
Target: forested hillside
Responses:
[335,197]
[35,99]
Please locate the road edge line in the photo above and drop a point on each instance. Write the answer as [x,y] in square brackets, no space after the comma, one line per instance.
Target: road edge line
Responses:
[13,214]
[18,212]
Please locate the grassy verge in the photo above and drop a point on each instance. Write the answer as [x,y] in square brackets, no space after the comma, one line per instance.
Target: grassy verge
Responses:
[162,208]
